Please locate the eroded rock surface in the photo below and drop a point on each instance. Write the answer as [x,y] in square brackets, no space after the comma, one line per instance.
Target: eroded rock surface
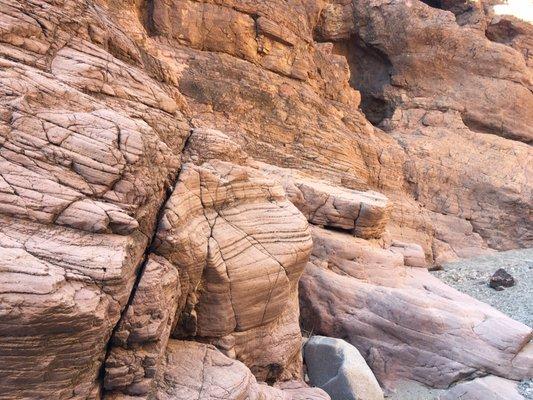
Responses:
[160,162]
[240,247]
[140,339]
[406,323]
[61,294]
[200,372]
[489,387]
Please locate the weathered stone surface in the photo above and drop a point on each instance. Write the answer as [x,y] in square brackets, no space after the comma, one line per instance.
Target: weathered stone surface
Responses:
[192,370]
[377,22]
[72,159]
[337,367]
[486,388]
[87,141]
[140,339]
[61,294]
[406,322]
[97,101]
[366,214]
[414,95]
[240,248]
[500,279]
[513,32]
[297,390]
[197,371]
[413,254]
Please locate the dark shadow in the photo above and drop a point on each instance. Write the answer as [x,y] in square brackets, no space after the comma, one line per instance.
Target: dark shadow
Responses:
[370,73]
[433,3]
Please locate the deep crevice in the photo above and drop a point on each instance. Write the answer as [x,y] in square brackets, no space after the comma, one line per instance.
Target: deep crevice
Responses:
[370,74]
[146,14]
[465,11]
[148,250]
[433,3]
[502,32]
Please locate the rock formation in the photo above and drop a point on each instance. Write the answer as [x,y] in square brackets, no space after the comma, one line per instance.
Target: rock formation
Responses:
[170,169]
[487,388]
[407,323]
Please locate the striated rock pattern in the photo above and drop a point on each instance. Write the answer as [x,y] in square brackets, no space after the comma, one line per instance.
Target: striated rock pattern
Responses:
[140,339]
[240,247]
[61,293]
[200,372]
[365,214]
[407,323]
[160,162]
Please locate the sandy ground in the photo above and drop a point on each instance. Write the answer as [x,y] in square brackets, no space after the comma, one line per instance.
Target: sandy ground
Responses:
[472,277]
[409,390]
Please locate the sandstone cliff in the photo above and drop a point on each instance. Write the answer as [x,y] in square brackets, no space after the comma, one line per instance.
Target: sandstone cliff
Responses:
[181,179]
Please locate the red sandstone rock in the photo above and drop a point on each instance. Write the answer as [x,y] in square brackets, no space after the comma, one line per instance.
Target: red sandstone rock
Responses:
[98,100]
[407,323]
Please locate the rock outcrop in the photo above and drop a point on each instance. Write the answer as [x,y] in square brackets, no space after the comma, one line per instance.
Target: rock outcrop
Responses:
[240,247]
[161,161]
[62,292]
[140,339]
[407,323]
[198,371]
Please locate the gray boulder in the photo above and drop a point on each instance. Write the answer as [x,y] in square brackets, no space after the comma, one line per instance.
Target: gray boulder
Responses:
[337,367]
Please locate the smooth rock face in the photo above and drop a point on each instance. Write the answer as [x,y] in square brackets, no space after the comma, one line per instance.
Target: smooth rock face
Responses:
[337,367]
[486,388]
[405,322]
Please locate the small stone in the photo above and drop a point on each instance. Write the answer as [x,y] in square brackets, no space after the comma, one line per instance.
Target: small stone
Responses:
[500,279]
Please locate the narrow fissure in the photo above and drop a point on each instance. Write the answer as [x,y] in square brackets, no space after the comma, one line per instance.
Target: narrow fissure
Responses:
[148,250]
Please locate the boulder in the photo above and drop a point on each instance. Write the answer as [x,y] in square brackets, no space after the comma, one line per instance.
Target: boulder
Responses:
[364,213]
[195,371]
[413,254]
[337,367]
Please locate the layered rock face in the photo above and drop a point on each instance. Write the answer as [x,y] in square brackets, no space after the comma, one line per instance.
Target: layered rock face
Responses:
[161,161]
[407,323]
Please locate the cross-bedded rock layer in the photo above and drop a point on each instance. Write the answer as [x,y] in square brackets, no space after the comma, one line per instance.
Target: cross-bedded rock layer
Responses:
[160,162]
